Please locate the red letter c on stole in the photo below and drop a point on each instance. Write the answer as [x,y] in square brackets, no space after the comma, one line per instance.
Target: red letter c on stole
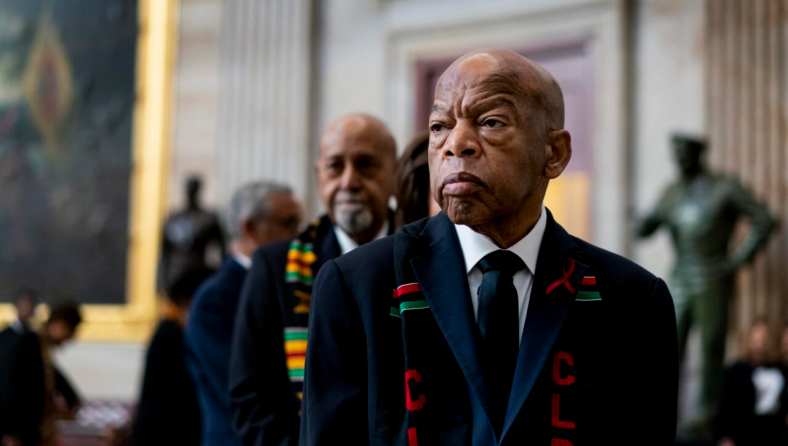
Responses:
[413,376]
[558,378]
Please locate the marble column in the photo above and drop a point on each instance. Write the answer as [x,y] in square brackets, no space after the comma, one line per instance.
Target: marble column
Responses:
[746,112]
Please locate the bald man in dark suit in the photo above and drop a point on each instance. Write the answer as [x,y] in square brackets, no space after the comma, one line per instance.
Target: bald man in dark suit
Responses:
[489,323]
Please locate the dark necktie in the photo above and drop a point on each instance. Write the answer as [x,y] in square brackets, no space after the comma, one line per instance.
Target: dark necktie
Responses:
[498,318]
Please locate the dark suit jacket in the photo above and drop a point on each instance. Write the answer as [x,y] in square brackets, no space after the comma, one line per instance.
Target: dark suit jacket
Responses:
[209,334]
[265,405]
[22,391]
[597,362]
[167,410]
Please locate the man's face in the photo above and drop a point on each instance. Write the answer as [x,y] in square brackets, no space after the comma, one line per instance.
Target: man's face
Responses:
[25,308]
[487,145]
[759,342]
[355,176]
[282,222]
[59,332]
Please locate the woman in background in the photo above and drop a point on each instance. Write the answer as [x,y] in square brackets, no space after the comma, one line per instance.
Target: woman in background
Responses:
[167,410]
[414,199]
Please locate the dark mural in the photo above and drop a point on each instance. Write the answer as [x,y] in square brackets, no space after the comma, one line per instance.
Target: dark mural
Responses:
[66,99]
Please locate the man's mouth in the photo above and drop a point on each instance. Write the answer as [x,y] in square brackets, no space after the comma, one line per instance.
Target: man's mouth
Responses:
[462,183]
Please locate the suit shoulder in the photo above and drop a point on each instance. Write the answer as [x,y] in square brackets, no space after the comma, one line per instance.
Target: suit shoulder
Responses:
[379,253]
[616,268]
[272,252]
[376,254]
[368,268]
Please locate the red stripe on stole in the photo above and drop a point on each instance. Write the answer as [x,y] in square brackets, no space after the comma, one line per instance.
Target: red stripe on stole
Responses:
[588,281]
[408,288]
[413,437]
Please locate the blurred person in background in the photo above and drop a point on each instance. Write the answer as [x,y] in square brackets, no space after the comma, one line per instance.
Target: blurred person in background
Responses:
[259,213]
[754,402]
[414,200]
[355,183]
[31,400]
[25,304]
[167,409]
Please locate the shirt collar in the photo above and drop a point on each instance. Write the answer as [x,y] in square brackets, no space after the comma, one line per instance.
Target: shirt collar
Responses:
[18,326]
[475,246]
[242,260]
[347,244]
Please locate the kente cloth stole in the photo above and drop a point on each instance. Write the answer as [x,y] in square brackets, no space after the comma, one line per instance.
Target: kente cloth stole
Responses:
[408,304]
[298,279]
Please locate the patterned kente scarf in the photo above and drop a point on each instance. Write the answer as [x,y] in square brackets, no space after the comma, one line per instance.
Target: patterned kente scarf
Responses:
[298,278]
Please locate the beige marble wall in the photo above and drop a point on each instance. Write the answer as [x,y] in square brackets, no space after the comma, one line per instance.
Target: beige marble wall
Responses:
[196,96]
[668,88]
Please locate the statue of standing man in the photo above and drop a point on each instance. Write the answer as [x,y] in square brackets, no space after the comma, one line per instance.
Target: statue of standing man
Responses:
[189,236]
[701,210]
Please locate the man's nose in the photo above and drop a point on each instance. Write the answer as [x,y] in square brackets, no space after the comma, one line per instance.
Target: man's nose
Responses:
[350,180]
[463,141]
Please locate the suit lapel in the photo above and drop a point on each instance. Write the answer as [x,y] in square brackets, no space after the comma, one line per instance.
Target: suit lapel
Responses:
[552,293]
[440,269]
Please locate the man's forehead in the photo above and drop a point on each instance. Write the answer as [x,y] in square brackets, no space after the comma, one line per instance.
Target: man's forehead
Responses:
[468,72]
[479,73]
[354,145]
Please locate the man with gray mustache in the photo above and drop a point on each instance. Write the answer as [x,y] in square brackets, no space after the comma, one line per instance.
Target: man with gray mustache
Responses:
[355,176]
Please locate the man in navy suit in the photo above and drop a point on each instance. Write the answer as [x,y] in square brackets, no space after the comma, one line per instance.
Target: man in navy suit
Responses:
[355,176]
[259,213]
[488,323]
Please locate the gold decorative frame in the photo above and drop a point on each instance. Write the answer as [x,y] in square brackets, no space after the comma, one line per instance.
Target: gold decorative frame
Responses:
[156,49]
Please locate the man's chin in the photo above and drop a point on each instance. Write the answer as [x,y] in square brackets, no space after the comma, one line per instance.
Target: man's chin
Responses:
[464,213]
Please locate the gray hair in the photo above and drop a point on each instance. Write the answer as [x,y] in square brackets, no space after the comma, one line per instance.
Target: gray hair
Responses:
[252,201]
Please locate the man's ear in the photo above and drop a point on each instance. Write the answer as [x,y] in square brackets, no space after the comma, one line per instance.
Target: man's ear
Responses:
[248,228]
[558,152]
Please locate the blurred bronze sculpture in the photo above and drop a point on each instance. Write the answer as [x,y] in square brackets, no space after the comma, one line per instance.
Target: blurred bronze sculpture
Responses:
[188,236]
[701,210]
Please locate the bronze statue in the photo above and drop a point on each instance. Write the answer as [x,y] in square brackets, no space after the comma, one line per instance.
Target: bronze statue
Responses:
[188,236]
[701,210]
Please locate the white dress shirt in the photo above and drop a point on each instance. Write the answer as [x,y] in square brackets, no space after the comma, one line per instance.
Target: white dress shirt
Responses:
[242,260]
[347,244]
[475,246]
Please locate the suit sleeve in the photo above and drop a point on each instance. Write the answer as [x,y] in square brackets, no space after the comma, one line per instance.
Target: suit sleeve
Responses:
[27,391]
[208,345]
[659,368]
[335,392]
[265,411]
[64,387]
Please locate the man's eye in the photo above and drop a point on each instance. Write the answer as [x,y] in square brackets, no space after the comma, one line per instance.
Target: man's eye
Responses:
[436,127]
[492,123]
[333,167]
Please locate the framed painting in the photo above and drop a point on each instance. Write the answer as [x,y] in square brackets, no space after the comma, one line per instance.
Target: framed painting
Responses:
[85,98]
